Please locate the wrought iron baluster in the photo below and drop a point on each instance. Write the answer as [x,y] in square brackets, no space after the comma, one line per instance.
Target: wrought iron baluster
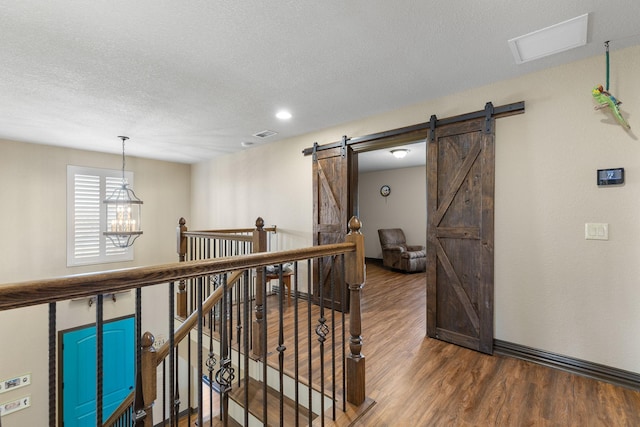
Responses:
[164,390]
[263,336]
[322,330]
[247,313]
[309,341]
[237,289]
[99,358]
[211,363]
[199,351]
[226,373]
[281,347]
[176,399]
[140,413]
[52,365]
[172,362]
[296,342]
[333,335]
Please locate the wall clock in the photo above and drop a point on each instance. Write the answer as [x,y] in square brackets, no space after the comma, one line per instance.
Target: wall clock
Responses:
[385,190]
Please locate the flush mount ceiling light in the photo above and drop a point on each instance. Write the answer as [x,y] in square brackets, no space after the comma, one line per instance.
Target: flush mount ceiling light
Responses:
[551,40]
[399,153]
[283,115]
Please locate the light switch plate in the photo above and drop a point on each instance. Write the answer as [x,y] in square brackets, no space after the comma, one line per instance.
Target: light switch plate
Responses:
[596,231]
[7,408]
[14,383]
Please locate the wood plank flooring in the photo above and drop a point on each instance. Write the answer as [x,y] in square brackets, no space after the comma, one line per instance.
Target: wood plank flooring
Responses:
[418,381]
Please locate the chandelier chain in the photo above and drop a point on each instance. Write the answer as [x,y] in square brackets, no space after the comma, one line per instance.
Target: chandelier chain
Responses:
[123,138]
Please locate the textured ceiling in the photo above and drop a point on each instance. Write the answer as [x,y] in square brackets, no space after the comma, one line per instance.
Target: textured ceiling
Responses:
[188,81]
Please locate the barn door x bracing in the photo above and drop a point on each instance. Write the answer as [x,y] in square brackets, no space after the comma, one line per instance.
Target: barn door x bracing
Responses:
[333,206]
[460,182]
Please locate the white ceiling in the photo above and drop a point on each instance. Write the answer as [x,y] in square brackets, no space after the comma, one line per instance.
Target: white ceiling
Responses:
[191,80]
[372,161]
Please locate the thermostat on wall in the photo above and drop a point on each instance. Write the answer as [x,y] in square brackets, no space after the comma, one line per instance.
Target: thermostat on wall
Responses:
[611,176]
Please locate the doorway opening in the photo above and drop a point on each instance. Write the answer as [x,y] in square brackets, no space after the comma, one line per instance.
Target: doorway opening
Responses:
[392,193]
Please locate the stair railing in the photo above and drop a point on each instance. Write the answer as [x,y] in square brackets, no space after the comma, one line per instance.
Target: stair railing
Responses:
[52,291]
[220,243]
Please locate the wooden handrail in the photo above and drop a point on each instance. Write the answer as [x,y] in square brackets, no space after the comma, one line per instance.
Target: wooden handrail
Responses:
[219,235]
[25,294]
[121,409]
[191,321]
[232,230]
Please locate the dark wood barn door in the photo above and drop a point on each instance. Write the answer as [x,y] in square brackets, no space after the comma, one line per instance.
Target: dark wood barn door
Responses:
[460,193]
[333,205]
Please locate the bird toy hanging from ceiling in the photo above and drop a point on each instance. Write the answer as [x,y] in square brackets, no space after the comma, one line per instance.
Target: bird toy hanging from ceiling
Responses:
[604,98]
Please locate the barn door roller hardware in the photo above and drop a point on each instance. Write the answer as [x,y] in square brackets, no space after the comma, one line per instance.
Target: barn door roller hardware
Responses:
[495,113]
[488,116]
[432,128]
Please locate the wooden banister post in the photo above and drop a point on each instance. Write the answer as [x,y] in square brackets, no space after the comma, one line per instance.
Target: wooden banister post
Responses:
[355,278]
[181,301]
[259,245]
[148,378]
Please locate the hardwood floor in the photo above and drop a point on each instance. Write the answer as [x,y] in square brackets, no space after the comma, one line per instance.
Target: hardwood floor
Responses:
[418,381]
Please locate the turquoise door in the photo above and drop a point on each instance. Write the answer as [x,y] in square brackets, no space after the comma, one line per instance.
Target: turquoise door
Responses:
[79,371]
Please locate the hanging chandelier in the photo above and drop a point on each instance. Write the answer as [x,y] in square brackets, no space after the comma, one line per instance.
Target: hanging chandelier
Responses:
[123,211]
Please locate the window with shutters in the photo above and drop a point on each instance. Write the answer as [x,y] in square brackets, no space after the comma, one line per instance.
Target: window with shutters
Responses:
[86,216]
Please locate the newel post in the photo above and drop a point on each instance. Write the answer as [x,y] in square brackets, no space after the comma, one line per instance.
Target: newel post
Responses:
[147,384]
[181,302]
[259,245]
[355,278]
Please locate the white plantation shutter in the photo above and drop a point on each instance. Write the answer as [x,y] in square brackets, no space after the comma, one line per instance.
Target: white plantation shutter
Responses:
[86,242]
[86,189]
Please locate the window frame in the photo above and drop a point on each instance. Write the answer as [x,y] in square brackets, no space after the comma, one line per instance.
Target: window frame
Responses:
[105,251]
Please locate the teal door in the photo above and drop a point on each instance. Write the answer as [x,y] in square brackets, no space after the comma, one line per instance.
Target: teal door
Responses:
[79,371]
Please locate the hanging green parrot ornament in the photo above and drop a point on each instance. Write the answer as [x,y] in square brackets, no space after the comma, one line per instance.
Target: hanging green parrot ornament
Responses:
[605,99]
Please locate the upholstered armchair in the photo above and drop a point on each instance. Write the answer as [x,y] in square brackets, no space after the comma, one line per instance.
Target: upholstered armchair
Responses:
[398,255]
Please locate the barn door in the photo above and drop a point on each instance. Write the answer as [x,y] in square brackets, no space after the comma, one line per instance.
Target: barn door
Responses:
[333,181]
[460,191]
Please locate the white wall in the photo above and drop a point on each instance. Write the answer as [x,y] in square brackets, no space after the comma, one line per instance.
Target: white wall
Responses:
[553,290]
[405,207]
[269,181]
[33,246]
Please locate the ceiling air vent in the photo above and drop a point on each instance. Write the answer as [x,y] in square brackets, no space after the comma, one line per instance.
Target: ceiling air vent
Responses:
[265,134]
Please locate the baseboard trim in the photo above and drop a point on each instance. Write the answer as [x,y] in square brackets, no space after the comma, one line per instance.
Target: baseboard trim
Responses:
[569,364]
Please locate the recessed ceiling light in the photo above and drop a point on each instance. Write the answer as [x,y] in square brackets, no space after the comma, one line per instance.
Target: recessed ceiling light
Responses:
[247,143]
[283,115]
[548,41]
